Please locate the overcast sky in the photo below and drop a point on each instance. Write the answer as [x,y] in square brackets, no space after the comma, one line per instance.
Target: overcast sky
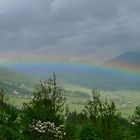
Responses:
[70,30]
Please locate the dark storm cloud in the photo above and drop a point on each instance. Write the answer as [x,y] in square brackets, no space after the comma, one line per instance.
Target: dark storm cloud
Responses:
[74,27]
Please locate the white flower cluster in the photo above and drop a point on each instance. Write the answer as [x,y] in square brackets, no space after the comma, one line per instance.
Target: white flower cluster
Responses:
[48,128]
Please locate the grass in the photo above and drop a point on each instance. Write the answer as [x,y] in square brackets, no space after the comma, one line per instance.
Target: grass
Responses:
[126,101]
[15,100]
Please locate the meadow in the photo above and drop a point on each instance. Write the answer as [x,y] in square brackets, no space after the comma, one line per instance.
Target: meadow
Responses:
[77,96]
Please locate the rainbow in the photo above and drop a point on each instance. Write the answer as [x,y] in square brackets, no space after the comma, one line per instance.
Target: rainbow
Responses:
[122,68]
[18,59]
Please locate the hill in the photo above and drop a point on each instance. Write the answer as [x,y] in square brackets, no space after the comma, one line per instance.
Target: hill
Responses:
[115,74]
[129,60]
[14,82]
[83,75]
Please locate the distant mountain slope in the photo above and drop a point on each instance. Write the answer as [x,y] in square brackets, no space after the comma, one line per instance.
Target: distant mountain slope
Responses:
[84,75]
[14,82]
[100,77]
[129,60]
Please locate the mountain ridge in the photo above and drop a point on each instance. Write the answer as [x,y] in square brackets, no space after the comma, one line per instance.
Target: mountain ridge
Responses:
[129,61]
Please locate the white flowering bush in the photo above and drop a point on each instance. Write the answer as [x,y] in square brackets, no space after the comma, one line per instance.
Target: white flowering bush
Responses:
[48,129]
[47,104]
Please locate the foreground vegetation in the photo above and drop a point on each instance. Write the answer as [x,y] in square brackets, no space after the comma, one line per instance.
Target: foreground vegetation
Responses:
[46,116]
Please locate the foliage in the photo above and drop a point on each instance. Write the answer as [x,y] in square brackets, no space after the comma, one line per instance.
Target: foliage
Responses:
[48,130]
[47,105]
[104,117]
[89,133]
[136,117]
[46,117]
[72,126]
[136,122]
[9,128]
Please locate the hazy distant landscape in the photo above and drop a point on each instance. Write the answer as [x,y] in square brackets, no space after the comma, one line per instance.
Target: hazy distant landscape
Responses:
[118,85]
[69,70]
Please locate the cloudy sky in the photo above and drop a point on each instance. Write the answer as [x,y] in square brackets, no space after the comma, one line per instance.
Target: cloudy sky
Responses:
[71,30]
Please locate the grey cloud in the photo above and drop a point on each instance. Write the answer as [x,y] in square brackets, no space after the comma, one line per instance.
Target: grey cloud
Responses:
[76,27]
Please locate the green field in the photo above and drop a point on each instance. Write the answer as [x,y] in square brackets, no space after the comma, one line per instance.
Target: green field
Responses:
[77,96]
[126,100]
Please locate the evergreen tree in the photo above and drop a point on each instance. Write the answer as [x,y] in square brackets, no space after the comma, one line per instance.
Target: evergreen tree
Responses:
[104,117]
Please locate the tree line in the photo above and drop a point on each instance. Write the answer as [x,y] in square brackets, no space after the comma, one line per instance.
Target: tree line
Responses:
[47,117]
